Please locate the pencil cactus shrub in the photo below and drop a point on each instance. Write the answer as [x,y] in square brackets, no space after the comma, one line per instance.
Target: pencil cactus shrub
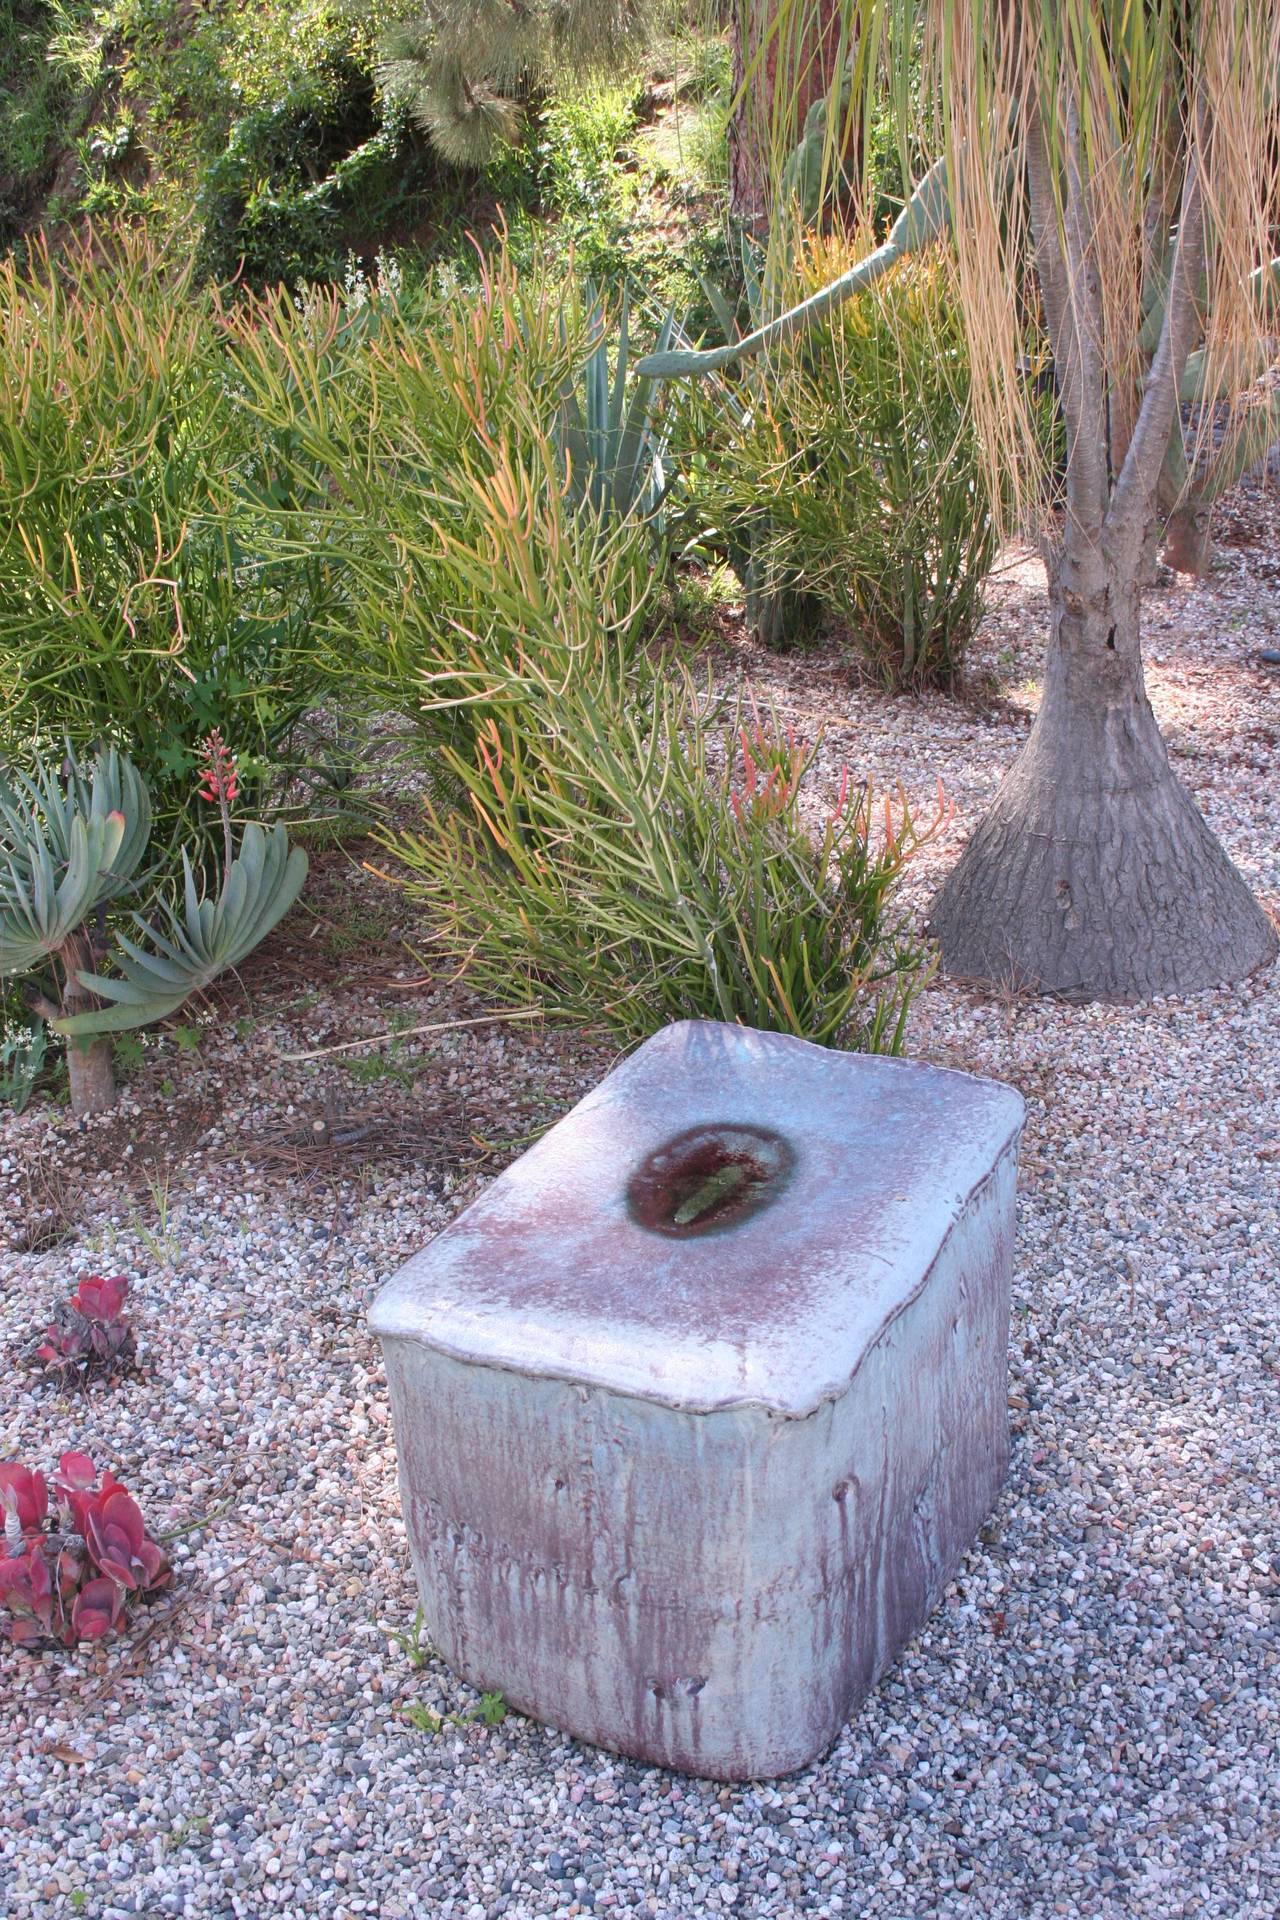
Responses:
[89,1335]
[136,603]
[621,869]
[75,1568]
[623,851]
[860,447]
[72,844]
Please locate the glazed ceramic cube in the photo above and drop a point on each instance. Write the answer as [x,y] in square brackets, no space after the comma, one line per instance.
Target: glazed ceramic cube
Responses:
[700,1404]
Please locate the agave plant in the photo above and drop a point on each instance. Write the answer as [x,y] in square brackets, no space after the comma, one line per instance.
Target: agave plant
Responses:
[71,846]
[607,432]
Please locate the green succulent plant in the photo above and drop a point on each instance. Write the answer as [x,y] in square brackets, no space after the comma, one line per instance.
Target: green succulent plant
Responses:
[72,845]
[606,429]
[207,938]
[68,846]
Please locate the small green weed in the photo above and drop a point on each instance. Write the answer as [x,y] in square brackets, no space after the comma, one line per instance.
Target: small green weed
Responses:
[367,1069]
[162,1243]
[129,1051]
[412,1643]
[490,1712]
[23,1048]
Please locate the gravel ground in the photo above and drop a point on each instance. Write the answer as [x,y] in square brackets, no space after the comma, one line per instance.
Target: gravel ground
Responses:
[1089,1723]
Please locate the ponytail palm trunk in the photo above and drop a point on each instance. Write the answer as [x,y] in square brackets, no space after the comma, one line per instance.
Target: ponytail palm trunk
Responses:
[1107,166]
[788,56]
[1094,875]
[1137,133]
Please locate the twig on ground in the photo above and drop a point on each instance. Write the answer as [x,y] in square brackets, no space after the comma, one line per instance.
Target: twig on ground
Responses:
[410,1033]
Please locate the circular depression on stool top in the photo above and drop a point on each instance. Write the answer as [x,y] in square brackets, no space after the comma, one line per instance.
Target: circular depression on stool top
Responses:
[708,1178]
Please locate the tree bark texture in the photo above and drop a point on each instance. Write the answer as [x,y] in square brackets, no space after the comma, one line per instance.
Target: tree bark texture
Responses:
[1094,876]
[1188,538]
[90,1067]
[754,140]
[91,1075]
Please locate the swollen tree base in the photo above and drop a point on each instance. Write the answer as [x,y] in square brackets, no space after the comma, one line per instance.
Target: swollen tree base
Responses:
[1093,876]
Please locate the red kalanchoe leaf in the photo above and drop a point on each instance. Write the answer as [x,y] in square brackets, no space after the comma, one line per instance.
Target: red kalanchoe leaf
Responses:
[24,1499]
[98,1607]
[13,1576]
[76,1471]
[115,1533]
[26,1587]
[40,1583]
[99,1299]
[74,1480]
[122,1516]
[154,1570]
[111,1559]
[24,1631]
[70,1572]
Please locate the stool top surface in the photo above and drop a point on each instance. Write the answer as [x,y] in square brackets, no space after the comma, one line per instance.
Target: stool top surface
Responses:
[730,1217]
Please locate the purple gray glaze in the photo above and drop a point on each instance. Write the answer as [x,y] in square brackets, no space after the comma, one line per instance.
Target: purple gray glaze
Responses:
[686,1497]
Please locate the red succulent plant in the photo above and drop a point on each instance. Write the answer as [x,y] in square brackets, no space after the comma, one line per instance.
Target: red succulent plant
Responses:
[88,1333]
[75,1578]
[24,1502]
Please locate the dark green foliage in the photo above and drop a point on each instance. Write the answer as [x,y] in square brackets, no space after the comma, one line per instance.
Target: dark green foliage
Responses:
[40,107]
[292,197]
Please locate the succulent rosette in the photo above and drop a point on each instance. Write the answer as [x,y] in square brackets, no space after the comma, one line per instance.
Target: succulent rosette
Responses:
[73,1574]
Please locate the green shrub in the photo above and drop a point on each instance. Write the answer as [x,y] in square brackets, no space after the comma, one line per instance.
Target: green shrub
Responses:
[612,865]
[848,468]
[134,605]
[400,437]
[288,198]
